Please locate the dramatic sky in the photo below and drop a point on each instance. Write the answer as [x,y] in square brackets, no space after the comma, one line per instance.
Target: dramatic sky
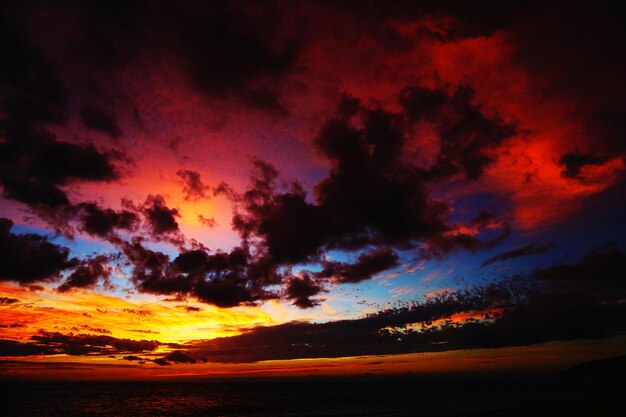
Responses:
[310,187]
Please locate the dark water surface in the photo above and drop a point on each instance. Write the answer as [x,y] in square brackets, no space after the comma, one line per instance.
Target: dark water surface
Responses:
[532,397]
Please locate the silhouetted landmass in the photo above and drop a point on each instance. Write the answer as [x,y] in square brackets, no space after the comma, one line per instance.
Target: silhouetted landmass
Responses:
[612,367]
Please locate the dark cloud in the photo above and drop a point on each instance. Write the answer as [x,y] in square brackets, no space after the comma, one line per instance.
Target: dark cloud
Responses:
[300,289]
[517,312]
[96,118]
[179,356]
[82,344]
[133,358]
[227,50]
[87,275]
[149,270]
[290,227]
[229,53]
[465,132]
[374,199]
[14,348]
[462,20]
[29,258]
[227,279]
[367,264]
[207,221]
[103,222]
[34,165]
[193,187]
[32,89]
[611,127]
[161,219]
[143,331]
[363,336]
[603,266]
[348,106]
[142,311]
[61,162]
[574,162]
[464,237]
[86,327]
[161,362]
[54,343]
[222,279]
[567,46]
[581,66]
[522,251]
[5,301]
[372,196]
[482,18]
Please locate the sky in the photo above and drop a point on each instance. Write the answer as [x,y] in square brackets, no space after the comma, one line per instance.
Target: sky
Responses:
[300,188]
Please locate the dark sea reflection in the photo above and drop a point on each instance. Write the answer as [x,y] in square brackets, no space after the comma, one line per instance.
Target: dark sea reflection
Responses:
[556,396]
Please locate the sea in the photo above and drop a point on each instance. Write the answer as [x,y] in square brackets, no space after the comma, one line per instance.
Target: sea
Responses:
[316,397]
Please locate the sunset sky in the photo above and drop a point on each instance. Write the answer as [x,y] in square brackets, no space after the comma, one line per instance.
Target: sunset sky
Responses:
[294,188]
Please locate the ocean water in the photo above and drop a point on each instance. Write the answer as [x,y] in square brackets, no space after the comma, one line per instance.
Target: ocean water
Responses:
[298,398]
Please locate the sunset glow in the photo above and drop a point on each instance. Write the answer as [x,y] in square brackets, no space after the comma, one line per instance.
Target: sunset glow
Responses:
[310,189]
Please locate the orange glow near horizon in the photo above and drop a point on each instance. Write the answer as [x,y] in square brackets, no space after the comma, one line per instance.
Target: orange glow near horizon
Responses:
[548,358]
[146,319]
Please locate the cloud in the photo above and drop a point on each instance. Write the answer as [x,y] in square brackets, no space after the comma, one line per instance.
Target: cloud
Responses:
[466,133]
[603,266]
[34,165]
[376,199]
[54,343]
[574,162]
[14,348]
[161,219]
[300,289]
[193,187]
[561,320]
[161,362]
[87,275]
[514,312]
[148,269]
[372,199]
[5,301]
[290,228]
[333,339]
[367,265]
[29,258]
[227,51]
[103,223]
[372,196]
[36,92]
[133,358]
[12,325]
[522,251]
[222,279]
[179,356]
[96,118]
[82,344]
